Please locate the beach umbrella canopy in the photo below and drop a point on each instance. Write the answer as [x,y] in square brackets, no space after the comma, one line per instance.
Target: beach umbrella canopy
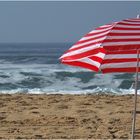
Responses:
[109,48]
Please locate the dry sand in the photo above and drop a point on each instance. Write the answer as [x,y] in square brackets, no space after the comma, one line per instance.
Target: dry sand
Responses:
[67,116]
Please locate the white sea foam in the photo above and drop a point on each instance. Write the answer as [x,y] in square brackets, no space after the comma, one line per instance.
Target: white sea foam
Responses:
[72,92]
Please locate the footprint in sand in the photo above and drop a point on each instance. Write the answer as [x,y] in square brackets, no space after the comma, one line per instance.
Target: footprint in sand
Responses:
[35,112]
[62,107]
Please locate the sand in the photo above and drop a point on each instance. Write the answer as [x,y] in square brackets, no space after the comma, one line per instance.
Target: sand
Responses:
[67,116]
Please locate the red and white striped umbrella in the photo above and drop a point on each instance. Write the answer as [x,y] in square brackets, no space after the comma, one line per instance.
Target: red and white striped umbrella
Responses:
[109,48]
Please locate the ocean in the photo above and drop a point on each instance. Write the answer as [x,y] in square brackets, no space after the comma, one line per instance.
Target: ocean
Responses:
[34,68]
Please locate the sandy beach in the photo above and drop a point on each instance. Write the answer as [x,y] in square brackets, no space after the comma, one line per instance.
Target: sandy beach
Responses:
[67,116]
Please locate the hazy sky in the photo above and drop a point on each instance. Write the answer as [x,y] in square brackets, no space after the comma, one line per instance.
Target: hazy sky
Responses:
[59,21]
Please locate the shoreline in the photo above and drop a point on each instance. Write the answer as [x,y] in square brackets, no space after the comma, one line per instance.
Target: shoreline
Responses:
[57,116]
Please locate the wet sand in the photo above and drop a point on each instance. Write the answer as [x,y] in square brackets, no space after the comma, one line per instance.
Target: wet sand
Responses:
[67,116]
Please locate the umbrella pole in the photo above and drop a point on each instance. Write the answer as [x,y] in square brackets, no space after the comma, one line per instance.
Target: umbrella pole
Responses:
[135,98]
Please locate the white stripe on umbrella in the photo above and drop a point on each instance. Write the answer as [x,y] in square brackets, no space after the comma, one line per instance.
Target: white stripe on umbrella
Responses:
[119,65]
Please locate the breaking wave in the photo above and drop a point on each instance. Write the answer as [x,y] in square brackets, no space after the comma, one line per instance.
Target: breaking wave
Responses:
[35,69]
[56,78]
